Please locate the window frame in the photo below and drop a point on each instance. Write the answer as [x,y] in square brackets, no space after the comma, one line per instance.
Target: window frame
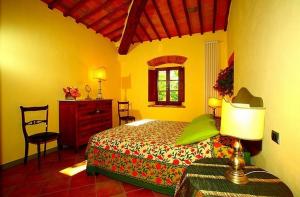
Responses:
[168,91]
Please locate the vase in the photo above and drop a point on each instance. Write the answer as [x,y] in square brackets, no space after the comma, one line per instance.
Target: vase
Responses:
[69,97]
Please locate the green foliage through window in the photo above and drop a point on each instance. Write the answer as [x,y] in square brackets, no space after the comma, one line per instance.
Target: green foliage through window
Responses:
[168,85]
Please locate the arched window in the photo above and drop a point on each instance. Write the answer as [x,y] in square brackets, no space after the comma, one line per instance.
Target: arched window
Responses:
[166,80]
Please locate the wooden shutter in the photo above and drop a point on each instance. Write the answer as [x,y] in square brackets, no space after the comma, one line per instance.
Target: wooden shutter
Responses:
[152,85]
[181,84]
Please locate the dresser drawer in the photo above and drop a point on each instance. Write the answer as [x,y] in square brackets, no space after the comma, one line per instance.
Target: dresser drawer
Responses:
[86,133]
[94,128]
[94,119]
[92,109]
[95,104]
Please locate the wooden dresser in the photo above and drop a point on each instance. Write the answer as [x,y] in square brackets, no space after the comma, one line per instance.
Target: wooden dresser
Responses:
[79,120]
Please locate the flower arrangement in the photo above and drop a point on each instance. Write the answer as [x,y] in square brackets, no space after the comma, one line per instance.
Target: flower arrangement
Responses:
[71,93]
[224,83]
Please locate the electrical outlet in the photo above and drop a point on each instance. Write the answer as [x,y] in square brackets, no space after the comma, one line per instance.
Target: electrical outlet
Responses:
[275,136]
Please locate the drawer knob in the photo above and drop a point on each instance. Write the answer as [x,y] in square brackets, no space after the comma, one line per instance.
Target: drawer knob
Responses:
[97,111]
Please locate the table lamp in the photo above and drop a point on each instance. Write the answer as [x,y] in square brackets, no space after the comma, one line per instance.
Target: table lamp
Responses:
[243,122]
[100,74]
[214,103]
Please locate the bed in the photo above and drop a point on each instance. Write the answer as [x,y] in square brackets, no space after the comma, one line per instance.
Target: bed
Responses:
[144,153]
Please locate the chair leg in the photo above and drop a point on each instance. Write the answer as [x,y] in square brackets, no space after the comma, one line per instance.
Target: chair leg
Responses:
[119,121]
[26,152]
[39,154]
[45,149]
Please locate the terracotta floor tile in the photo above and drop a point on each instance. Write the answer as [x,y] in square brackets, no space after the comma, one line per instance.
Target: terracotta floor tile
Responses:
[86,191]
[101,178]
[57,194]
[28,189]
[109,188]
[81,179]
[37,177]
[129,187]
[12,179]
[63,164]
[142,192]
[28,180]
[56,184]
[5,191]
[119,195]
[17,169]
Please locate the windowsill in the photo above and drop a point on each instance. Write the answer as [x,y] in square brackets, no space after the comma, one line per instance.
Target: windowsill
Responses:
[169,106]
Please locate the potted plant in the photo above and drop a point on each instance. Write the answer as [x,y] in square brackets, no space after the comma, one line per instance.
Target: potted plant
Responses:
[224,83]
[71,93]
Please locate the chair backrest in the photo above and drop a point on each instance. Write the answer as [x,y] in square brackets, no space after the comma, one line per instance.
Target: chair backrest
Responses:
[123,108]
[26,123]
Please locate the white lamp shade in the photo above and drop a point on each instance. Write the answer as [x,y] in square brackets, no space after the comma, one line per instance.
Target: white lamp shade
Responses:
[100,73]
[242,121]
[214,102]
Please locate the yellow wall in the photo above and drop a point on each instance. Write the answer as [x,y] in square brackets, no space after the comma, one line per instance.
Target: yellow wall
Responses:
[42,52]
[265,36]
[134,66]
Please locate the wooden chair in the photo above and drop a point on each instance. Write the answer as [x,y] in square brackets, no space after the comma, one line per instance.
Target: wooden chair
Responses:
[123,112]
[42,137]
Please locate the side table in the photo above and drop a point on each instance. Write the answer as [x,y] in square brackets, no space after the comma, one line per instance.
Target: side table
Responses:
[205,177]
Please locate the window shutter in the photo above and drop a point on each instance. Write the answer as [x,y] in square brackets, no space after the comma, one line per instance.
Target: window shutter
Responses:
[152,85]
[181,84]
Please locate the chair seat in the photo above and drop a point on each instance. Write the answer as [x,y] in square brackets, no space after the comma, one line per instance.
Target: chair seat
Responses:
[42,137]
[127,118]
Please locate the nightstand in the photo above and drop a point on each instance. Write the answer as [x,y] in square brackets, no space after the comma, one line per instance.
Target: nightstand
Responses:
[205,177]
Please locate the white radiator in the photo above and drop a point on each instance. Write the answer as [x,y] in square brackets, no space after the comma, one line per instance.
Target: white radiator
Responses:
[212,69]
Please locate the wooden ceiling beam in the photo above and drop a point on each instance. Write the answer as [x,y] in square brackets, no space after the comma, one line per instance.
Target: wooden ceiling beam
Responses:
[116,10]
[145,32]
[161,18]
[95,11]
[115,38]
[151,24]
[226,16]
[214,16]
[113,31]
[173,17]
[77,6]
[138,37]
[200,16]
[187,16]
[112,22]
[137,8]
[53,4]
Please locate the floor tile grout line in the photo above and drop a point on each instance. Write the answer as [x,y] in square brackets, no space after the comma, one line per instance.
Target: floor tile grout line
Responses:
[49,193]
[134,190]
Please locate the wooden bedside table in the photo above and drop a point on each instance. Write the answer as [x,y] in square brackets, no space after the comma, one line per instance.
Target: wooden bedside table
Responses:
[205,177]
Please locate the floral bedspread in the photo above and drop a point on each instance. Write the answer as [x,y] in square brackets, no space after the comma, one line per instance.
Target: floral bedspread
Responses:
[155,140]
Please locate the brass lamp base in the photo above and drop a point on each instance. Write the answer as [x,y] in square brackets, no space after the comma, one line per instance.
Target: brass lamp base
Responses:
[236,176]
[235,173]
[99,95]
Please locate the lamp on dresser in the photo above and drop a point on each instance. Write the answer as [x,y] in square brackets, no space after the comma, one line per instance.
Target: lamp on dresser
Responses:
[243,122]
[100,74]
